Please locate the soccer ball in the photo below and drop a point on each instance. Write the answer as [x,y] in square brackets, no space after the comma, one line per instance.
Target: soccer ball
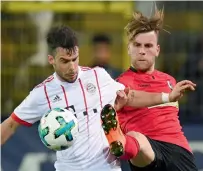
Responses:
[58,129]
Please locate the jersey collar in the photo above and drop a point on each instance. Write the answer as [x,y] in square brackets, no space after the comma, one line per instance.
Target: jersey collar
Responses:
[136,71]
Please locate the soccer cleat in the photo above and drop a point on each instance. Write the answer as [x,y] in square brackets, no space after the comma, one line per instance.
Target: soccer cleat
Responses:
[112,130]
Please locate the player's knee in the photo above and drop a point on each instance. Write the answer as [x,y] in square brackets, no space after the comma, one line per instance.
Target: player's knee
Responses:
[142,140]
[146,154]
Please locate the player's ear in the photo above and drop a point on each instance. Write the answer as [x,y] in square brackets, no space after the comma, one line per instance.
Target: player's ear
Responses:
[128,49]
[77,49]
[157,50]
[51,59]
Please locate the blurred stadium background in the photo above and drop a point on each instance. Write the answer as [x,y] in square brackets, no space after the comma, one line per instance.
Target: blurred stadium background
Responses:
[24,26]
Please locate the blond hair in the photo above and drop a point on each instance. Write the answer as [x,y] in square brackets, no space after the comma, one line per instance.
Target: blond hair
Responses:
[141,24]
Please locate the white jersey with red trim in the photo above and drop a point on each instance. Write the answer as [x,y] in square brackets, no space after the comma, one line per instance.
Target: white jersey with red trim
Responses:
[85,97]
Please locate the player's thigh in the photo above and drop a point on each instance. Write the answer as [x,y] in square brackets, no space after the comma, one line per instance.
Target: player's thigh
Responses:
[168,157]
[179,159]
[146,154]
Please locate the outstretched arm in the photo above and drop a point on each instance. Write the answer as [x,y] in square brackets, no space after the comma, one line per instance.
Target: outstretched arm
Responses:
[8,128]
[136,98]
[143,99]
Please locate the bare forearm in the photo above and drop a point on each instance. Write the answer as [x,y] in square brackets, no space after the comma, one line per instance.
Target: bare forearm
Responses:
[143,99]
[7,130]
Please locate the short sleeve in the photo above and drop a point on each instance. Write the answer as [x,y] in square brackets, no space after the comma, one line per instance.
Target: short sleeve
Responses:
[171,82]
[108,80]
[31,109]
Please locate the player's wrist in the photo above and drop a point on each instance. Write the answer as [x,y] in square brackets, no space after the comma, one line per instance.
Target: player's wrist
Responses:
[165,97]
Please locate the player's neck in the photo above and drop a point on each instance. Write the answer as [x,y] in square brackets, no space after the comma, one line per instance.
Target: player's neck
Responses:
[149,71]
[59,78]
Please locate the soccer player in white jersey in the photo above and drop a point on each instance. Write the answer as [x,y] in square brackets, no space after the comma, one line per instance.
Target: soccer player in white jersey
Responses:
[84,91]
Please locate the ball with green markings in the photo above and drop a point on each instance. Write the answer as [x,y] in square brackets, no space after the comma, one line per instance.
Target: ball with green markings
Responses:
[58,129]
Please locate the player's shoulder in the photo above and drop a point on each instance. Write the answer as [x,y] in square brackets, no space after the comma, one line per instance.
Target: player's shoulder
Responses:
[165,75]
[124,76]
[101,72]
[90,69]
[99,69]
[36,95]
[84,68]
[40,86]
[38,92]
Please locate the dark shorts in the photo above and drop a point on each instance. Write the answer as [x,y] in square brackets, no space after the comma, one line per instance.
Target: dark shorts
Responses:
[169,157]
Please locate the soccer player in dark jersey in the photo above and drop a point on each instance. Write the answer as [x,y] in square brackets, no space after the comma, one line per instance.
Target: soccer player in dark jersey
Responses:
[151,138]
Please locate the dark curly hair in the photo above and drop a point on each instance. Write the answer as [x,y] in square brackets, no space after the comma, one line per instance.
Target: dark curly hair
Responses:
[64,37]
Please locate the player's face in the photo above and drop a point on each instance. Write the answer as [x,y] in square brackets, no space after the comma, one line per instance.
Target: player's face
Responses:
[143,50]
[65,65]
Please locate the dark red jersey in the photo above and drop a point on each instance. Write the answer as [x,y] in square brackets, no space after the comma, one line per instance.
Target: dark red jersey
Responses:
[157,122]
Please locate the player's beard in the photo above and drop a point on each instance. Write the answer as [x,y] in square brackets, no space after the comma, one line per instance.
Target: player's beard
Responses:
[143,66]
[70,78]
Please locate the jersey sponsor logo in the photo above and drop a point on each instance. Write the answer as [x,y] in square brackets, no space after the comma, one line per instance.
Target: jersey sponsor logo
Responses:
[91,88]
[56,99]
[144,85]
[73,110]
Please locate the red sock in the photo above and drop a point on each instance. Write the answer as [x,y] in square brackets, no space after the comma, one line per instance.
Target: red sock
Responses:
[132,148]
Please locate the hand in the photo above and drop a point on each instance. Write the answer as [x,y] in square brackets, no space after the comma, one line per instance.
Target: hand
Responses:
[121,99]
[179,90]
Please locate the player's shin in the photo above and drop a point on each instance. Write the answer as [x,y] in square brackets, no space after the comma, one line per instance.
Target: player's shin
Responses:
[131,148]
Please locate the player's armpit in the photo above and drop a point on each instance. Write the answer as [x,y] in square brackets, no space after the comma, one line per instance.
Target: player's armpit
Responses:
[8,128]
[143,99]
